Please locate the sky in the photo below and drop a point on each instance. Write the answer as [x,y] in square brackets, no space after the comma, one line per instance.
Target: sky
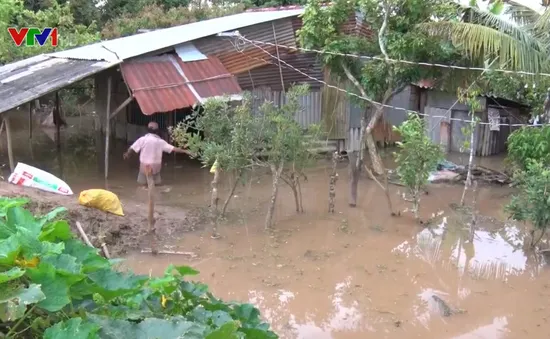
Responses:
[534,4]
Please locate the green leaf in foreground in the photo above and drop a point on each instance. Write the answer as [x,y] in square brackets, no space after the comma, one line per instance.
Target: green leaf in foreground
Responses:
[182,270]
[227,331]
[9,250]
[7,203]
[88,256]
[14,301]
[19,217]
[12,274]
[51,215]
[112,284]
[173,328]
[74,328]
[58,230]
[54,287]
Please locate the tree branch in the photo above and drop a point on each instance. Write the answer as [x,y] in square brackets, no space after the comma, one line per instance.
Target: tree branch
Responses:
[353,80]
[382,31]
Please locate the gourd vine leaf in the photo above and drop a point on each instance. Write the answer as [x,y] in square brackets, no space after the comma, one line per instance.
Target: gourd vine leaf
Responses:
[74,328]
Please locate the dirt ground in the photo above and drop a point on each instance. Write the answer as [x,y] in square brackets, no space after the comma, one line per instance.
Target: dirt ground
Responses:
[120,234]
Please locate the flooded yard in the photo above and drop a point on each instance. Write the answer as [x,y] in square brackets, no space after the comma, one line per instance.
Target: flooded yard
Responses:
[358,273]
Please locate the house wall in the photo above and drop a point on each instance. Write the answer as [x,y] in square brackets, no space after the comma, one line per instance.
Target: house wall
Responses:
[310,103]
[383,132]
[486,142]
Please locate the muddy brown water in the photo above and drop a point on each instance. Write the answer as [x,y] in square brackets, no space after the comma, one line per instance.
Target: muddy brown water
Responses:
[356,274]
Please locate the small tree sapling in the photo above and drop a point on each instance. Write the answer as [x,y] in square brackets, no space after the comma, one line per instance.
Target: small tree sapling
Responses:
[227,138]
[532,203]
[286,146]
[417,157]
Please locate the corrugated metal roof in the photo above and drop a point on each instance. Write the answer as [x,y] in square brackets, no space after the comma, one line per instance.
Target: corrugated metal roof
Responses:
[269,76]
[221,81]
[165,83]
[136,45]
[157,85]
[29,79]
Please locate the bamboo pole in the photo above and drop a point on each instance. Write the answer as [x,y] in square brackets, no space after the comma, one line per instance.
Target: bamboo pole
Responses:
[83,234]
[107,126]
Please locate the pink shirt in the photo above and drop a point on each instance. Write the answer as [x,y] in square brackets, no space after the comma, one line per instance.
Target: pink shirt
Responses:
[150,148]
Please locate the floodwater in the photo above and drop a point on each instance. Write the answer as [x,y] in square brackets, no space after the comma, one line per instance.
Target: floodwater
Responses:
[358,273]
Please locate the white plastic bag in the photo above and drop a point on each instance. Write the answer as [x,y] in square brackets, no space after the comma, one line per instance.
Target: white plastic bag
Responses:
[28,176]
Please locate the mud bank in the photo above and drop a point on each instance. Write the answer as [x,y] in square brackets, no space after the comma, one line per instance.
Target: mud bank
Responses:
[121,234]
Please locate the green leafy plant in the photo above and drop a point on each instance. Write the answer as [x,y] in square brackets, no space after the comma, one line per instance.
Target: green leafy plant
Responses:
[54,286]
[529,144]
[417,157]
[237,140]
[285,147]
[532,203]
[228,132]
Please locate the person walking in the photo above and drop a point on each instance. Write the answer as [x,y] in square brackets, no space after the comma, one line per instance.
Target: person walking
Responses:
[151,148]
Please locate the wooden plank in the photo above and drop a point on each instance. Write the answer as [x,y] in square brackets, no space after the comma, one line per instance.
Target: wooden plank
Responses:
[107,126]
[120,107]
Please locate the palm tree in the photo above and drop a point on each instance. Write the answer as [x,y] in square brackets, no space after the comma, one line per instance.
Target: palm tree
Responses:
[513,33]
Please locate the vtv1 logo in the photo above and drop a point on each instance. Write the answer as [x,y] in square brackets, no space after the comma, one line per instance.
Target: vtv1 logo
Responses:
[32,34]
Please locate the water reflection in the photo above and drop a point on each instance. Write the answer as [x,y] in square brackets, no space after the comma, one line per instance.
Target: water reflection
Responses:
[495,330]
[345,316]
[492,254]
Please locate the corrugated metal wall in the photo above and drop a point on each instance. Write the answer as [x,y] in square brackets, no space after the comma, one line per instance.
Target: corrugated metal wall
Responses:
[486,142]
[311,104]
[269,75]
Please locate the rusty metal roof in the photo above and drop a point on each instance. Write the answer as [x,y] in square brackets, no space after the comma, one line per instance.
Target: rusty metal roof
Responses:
[269,75]
[165,83]
[157,85]
[210,78]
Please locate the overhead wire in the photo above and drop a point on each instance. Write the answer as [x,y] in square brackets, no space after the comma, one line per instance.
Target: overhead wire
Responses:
[407,62]
[241,42]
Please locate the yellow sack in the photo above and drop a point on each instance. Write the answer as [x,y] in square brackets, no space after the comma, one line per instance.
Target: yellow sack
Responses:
[102,200]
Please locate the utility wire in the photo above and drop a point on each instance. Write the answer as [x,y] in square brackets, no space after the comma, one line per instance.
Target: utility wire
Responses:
[244,40]
[408,62]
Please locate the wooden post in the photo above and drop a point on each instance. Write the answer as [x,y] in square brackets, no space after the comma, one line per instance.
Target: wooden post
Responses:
[30,120]
[151,214]
[57,121]
[107,126]
[8,136]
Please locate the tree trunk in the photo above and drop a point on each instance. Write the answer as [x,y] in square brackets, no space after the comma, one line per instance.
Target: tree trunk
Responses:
[474,219]
[299,186]
[332,183]
[377,164]
[214,201]
[354,171]
[385,188]
[470,162]
[276,175]
[534,242]
[233,188]
[293,181]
